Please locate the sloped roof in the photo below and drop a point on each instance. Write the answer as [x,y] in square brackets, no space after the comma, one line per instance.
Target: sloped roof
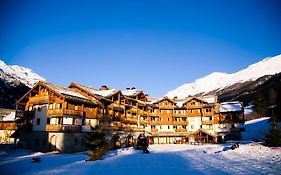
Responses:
[131,92]
[63,92]
[95,92]
[161,99]
[234,106]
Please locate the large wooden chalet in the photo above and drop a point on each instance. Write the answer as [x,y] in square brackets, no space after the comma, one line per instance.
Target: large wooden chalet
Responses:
[57,118]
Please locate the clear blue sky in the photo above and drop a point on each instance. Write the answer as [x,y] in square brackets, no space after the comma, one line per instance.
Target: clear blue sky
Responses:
[152,45]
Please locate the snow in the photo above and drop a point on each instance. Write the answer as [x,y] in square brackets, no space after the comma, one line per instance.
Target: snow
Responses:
[256,128]
[24,75]
[9,117]
[248,110]
[163,159]
[230,107]
[131,92]
[105,93]
[218,80]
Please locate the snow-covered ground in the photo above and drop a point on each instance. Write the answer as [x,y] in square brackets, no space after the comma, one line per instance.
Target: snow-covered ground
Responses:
[164,159]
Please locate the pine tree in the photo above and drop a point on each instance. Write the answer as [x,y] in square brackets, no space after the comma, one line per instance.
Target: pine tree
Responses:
[273,137]
[96,143]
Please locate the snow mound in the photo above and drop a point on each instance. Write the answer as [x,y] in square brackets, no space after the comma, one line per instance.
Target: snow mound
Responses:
[218,80]
[22,74]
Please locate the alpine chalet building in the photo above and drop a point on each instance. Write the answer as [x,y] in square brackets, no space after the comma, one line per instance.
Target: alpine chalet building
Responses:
[57,118]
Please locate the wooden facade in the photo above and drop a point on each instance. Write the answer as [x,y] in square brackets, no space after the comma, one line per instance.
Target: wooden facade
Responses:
[78,108]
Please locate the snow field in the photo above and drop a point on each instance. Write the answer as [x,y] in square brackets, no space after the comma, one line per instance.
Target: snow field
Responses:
[164,159]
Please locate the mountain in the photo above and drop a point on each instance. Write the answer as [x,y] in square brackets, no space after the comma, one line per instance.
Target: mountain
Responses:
[15,81]
[220,83]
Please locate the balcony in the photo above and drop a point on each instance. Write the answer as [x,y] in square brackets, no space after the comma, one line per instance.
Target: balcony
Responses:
[166,107]
[154,130]
[129,120]
[180,130]
[207,114]
[207,122]
[235,120]
[155,114]
[142,112]
[118,107]
[180,115]
[180,123]
[39,99]
[8,125]
[63,128]
[62,112]
[237,129]
[144,122]
[194,106]
[25,114]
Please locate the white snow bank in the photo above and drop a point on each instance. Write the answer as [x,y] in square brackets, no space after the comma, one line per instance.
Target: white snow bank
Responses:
[163,159]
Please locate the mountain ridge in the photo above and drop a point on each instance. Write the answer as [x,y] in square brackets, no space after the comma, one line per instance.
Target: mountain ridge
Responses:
[218,81]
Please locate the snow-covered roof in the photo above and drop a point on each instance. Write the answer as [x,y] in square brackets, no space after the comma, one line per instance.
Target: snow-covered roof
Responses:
[106,93]
[9,117]
[210,99]
[65,91]
[231,107]
[131,92]
[160,99]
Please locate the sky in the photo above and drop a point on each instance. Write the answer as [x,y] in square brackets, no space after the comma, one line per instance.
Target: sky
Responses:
[151,45]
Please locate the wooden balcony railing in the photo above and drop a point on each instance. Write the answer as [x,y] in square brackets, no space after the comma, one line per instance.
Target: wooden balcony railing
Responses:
[234,120]
[5,125]
[180,122]
[194,106]
[207,122]
[180,115]
[129,120]
[180,130]
[144,122]
[154,130]
[25,114]
[63,128]
[39,99]
[166,107]
[142,112]
[61,112]
[156,114]
[207,114]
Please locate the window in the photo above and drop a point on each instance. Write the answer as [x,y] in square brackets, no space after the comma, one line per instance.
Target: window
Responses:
[48,120]
[208,110]
[191,126]
[184,126]
[39,109]
[210,118]
[76,108]
[168,111]
[191,111]
[83,121]
[168,119]
[168,127]
[160,127]
[60,121]
[38,121]
[59,105]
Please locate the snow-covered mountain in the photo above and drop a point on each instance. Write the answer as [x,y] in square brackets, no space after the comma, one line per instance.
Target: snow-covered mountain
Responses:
[218,81]
[17,73]
[15,81]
